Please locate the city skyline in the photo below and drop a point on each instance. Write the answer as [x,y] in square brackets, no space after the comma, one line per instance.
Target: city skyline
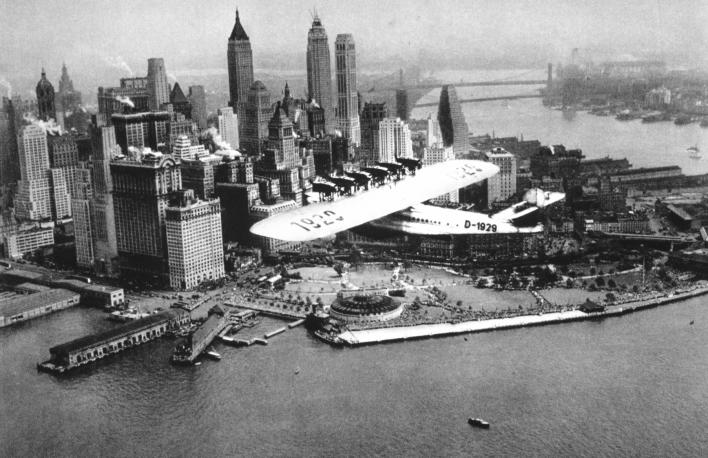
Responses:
[530,33]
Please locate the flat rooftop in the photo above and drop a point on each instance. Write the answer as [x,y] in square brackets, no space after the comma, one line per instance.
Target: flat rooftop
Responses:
[27,302]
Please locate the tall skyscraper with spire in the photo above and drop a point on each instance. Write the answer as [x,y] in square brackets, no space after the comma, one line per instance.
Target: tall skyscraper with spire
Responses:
[319,73]
[240,65]
[68,104]
[453,126]
[347,99]
[158,87]
[45,98]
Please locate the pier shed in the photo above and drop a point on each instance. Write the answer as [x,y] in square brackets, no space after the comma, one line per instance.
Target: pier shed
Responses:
[28,306]
[96,346]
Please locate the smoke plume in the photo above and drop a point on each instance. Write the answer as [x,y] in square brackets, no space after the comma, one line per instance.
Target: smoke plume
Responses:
[6,83]
[118,62]
[50,127]
[218,144]
[125,101]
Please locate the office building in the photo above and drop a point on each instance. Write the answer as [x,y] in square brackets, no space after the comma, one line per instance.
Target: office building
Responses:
[254,124]
[158,88]
[142,186]
[195,249]
[371,115]
[432,132]
[394,140]
[33,200]
[103,228]
[70,113]
[61,198]
[228,126]
[179,102]
[9,159]
[453,127]
[197,99]
[347,99]
[45,99]
[240,65]
[141,130]
[319,73]
[502,185]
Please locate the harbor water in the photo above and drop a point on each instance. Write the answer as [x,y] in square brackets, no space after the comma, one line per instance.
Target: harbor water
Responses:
[634,385]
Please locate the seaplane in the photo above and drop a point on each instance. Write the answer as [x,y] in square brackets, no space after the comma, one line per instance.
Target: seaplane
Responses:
[397,205]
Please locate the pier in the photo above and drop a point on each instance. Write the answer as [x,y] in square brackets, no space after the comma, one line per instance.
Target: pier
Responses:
[267,310]
[201,338]
[86,350]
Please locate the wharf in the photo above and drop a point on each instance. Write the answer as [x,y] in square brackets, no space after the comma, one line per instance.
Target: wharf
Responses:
[390,334]
[200,339]
[268,310]
[93,347]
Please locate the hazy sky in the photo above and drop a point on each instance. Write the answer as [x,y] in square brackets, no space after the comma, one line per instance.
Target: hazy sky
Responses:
[192,34]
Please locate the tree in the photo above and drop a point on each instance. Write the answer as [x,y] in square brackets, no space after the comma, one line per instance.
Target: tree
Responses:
[593,271]
[569,283]
[600,281]
[611,283]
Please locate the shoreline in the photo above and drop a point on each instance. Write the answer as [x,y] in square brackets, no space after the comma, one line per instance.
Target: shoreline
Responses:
[423,331]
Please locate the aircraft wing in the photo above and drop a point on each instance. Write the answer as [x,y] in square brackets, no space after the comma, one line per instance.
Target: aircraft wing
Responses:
[327,218]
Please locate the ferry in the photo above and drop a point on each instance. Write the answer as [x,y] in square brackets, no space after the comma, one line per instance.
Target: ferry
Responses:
[478,422]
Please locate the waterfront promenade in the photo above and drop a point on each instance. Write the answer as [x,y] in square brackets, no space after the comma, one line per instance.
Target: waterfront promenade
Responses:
[390,334]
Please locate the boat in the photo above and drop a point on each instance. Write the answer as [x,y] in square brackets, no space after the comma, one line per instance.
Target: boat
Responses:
[213,354]
[478,422]
[694,152]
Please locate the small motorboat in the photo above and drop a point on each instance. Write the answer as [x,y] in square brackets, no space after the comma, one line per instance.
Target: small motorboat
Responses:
[213,354]
[478,422]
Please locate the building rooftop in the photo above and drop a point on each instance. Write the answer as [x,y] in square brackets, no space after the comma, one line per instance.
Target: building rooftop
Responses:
[29,302]
[115,333]
[680,212]
[238,33]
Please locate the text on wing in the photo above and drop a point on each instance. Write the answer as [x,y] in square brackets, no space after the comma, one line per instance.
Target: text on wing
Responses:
[317,220]
[463,171]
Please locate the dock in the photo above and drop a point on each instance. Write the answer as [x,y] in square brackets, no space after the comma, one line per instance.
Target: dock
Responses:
[201,338]
[268,335]
[268,310]
[400,333]
[85,350]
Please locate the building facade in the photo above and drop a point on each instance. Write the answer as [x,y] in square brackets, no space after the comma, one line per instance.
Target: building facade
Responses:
[195,249]
[319,73]
[347,99]
[239,58]
[158,88]
[502,185]
[45,99]
[453,126]
[254,124]
[394,140]
[228,126]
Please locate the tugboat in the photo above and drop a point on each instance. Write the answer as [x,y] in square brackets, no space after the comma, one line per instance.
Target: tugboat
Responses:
[478,422]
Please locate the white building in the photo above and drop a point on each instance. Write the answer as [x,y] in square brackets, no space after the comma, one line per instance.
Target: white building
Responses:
[502,185]
[195,251]
[27,240]
[228,126]
[61,197]
[183,149]
[33,200]
[432,132]
[435,154]
[394,140]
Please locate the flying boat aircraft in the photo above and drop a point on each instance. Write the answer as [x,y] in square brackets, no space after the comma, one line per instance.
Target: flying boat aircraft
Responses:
[397,205]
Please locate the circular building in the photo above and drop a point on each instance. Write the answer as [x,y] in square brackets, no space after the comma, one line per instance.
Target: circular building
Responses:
[364,307]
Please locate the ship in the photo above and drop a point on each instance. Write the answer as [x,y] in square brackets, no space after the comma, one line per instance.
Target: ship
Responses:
[478,422]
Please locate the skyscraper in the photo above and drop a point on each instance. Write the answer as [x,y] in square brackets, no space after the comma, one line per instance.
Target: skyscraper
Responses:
[502,185]
[158,87]
[281,141]
[347,100]
[9,159]
[141,191]
[254,122]
[319,73]
[179,102]
[240,65]
[33,199]
[103,227]
[228,126]
[45,98]
[371,116]
[394,140]
[68,104]
[197,98]
[195,250]
[453,126]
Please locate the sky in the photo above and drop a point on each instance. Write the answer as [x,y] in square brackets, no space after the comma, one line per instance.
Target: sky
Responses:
[191,35]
